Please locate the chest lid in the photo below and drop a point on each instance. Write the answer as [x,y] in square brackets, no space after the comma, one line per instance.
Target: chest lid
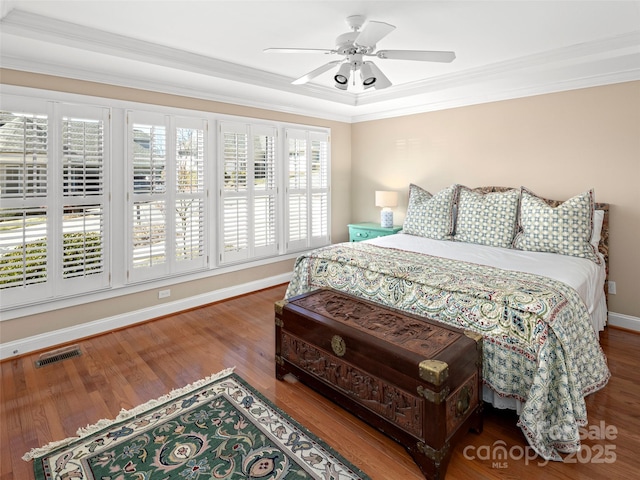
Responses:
[416,334]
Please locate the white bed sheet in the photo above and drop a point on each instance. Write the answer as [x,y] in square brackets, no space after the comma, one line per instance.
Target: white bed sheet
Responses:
[585,276]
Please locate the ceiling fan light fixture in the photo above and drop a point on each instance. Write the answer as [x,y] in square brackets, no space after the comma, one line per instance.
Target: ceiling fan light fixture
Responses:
[342,77]
[381,80]
[367,75]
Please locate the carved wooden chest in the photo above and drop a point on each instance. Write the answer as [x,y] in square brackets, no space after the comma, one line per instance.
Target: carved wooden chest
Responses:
[416,380]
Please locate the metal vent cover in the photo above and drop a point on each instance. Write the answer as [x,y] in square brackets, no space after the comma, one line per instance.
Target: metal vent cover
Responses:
[58,355]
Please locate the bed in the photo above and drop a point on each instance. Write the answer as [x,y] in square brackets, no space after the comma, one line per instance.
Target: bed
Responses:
[521,270]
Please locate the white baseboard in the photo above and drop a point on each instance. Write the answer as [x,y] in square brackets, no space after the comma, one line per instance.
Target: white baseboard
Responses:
[624,321]
[70,334]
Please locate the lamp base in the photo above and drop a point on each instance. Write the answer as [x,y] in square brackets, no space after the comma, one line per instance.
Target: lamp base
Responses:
[386,218]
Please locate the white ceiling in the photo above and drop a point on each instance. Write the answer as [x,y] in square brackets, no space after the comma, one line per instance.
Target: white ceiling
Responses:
[214,49]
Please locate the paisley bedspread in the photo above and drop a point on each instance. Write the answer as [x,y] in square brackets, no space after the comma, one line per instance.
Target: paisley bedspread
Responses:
[539,345]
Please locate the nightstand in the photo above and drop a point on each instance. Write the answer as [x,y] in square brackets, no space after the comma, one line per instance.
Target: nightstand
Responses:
[367,231]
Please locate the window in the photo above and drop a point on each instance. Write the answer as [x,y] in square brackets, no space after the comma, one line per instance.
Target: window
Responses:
[54,209]
[307,193]
[84,198]
[24,150]
[97,198]
[248,192]
[190,197]
[167,195]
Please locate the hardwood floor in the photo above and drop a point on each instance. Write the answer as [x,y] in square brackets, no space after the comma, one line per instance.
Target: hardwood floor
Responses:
[122,369]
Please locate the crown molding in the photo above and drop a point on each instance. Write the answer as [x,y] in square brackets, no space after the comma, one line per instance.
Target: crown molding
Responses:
[60,32]
[621,45]
[498,95]
[234,94]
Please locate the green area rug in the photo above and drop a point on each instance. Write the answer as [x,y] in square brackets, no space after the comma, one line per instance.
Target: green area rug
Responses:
[216,428]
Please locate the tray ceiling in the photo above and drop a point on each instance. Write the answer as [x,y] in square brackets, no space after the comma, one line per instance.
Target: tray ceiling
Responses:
[214,49]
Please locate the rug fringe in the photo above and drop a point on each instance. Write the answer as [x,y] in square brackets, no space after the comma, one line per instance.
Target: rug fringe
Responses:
[125,414]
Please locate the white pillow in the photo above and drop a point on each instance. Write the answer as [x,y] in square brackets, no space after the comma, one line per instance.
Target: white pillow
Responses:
[598,220]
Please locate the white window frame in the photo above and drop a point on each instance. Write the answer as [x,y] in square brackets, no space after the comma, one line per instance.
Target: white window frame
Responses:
[82,284]
[167,198]
[250,248]
[201,194]
[56,285]
[117,190]
[303,237]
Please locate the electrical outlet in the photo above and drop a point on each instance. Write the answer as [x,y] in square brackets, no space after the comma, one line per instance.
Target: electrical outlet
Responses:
[612,287]
[164,293]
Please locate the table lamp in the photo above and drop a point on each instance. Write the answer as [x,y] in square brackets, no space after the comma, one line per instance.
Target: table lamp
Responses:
[386,200]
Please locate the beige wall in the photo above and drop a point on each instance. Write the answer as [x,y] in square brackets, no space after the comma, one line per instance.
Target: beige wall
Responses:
[25,327]
[558,145]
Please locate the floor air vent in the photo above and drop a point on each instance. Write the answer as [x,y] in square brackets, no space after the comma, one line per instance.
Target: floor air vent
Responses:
[58,355]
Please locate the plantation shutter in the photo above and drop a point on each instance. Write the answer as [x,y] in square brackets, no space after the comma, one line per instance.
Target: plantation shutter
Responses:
[307,195]
[234,194]
[147,194]
[167,195]
[190,195]
[55,208]
[24,221]
[319,168]
[248,192]
[264,191]
[297,191]
[84,215]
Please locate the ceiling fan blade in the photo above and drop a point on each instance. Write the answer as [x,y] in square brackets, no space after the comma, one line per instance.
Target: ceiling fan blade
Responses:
[298,50]
[314,73]
[420,55]
[381,80]
[372,33]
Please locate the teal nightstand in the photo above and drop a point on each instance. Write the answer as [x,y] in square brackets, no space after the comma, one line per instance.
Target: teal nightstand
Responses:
[367,231]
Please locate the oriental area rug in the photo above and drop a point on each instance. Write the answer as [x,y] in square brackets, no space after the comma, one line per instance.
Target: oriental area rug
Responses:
[216,428]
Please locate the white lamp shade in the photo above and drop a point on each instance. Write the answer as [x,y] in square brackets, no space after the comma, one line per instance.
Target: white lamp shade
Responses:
[386,199]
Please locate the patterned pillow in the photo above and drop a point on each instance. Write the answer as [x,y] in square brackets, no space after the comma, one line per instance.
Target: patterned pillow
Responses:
[487,219]
[430,216]
[565,229]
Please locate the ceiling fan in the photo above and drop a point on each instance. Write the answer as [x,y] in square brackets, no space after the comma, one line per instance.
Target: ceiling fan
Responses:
[355,46]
